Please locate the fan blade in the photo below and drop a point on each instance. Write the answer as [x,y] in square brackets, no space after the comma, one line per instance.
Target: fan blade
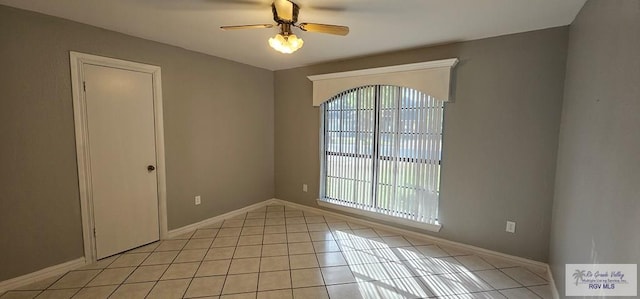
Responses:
[285,11]
[324,28]
[256,26]
[206,5]
[242,2]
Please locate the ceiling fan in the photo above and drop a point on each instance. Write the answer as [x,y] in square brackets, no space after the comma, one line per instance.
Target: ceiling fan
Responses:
[285,14]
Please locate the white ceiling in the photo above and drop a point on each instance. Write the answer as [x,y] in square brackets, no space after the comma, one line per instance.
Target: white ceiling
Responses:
[376,25]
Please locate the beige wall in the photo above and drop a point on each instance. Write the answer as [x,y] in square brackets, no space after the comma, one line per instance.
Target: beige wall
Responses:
[499,152]
[218,118]
[596,209]
[500,136]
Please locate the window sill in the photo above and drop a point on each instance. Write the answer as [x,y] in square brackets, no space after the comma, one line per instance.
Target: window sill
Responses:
[371,214]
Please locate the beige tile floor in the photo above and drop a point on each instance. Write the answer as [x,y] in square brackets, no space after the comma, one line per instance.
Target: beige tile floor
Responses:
[280,252]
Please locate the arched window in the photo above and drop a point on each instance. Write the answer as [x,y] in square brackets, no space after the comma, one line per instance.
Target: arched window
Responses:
[380,151]
[381,140]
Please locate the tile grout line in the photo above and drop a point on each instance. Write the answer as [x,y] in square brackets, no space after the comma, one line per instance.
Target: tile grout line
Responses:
[315,252]
[199,265]
[286,239]
[92,279]
[134,270]
[379,257]
[231,260]
[155,283]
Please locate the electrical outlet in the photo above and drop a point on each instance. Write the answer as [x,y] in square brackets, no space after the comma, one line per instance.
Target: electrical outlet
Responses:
[304,188]
[511,227]
[198,201]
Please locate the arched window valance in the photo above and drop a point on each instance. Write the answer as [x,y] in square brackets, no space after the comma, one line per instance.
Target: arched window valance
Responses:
[432,78]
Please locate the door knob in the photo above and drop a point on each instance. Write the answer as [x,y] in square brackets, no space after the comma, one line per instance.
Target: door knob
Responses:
[151,168]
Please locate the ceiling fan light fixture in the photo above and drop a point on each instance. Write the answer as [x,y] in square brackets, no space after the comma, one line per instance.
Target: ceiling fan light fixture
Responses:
[286,44]
[285,14]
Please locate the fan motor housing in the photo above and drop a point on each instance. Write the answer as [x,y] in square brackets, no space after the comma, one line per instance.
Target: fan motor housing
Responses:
[294,18]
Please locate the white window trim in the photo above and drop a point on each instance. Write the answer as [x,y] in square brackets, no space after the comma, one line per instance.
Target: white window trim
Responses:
[432,78]
[434,227]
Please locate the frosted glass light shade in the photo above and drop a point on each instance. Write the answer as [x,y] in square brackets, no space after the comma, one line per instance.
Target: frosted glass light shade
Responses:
[286,44]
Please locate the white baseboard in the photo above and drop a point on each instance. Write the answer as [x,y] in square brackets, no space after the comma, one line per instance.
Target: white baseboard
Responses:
[552,284]
[74,264]
[519,260]
[191,227]
[27,279]
[45,273]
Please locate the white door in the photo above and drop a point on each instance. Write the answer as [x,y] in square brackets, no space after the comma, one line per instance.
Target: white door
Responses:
[120,121]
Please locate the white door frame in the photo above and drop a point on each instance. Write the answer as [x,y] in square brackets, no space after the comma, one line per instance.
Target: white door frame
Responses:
[78,60]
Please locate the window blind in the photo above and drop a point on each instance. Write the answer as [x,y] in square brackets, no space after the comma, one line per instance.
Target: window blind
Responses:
[380,151]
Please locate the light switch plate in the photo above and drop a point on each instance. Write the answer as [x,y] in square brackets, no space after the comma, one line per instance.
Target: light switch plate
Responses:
[198,201]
